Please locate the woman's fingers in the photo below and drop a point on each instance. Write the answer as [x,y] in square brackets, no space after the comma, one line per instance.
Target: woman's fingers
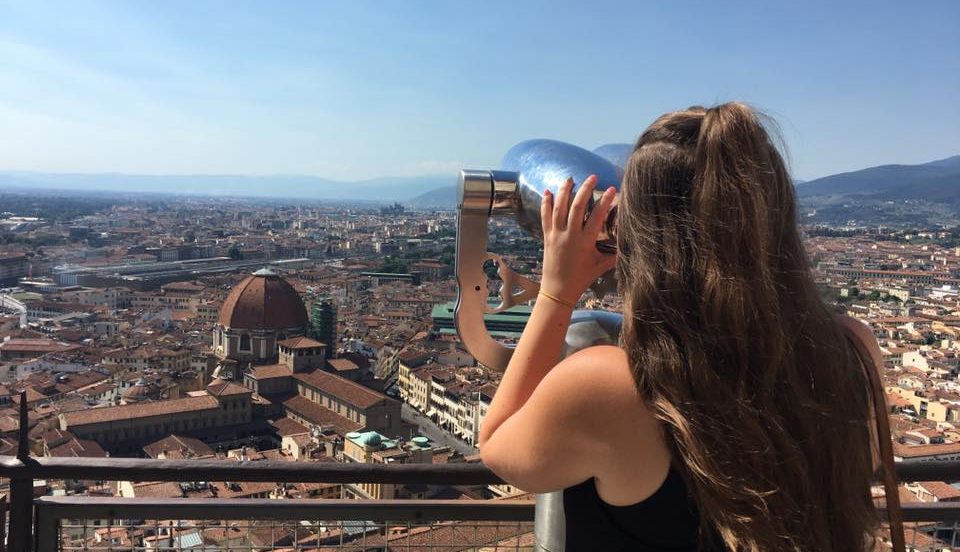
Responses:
[546,212]
[600,211]
[562,205]
[578,207]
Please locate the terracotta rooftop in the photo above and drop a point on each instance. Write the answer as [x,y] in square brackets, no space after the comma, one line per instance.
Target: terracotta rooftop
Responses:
[35,346]
[915,451]
[141,410]
[224,388]
[270,371]
[414,356]
[244,489]
[288,426]
[342,364]
[342,388]
[301,343]
[941,490]
[140,391]
[263,302]
[183,286]
[321,416]
[178,446]
[157,489]
[80,380]
[79,448]
[32,395]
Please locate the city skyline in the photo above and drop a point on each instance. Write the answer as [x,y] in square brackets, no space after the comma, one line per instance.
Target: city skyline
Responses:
[244,303]
[360,92]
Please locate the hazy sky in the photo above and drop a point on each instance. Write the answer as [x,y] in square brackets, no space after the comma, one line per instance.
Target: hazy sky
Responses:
[354,89]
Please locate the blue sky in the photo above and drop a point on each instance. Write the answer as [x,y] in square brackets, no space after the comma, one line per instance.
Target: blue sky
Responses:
[354,90]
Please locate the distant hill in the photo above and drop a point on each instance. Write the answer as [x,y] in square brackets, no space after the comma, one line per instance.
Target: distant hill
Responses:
[385,189]
[438,198]
[937,181]
[889,195]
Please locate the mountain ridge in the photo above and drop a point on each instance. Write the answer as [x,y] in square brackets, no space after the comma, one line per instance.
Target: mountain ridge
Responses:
[389,188]
[936,181]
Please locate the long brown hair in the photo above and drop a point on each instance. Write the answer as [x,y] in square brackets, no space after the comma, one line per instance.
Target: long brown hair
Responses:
[762,400]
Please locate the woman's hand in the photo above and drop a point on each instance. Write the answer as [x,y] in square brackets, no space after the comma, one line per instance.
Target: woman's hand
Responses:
[571,261]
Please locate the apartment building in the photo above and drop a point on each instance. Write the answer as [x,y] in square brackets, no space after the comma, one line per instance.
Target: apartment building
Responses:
[12,268]
[452,401]
[150,358]
[937,409]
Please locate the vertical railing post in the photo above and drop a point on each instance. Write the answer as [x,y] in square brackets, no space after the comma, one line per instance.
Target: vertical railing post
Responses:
[549,523]
[21,488]
[3,524]
[48,534]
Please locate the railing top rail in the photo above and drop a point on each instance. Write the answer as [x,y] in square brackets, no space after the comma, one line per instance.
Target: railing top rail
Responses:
[85,507]
[930,511]
[145,469]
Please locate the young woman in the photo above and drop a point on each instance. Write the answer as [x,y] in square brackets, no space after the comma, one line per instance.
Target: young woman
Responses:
[735,414]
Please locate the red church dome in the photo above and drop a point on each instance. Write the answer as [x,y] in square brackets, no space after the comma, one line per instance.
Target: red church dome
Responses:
[263,301]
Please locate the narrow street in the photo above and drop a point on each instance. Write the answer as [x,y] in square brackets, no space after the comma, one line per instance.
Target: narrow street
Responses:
[434,433]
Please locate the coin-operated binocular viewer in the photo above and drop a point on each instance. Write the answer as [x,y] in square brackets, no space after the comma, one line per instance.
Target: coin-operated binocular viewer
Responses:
[528,169]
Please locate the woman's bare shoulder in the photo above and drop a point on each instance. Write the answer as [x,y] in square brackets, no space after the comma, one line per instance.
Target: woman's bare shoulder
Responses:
[604,378]
[606,367]
[633,458]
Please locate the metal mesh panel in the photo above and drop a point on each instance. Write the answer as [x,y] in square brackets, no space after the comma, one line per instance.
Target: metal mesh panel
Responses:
[930,536]
[289,536]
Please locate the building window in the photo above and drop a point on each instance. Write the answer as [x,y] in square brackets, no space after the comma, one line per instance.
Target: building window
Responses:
[245,342]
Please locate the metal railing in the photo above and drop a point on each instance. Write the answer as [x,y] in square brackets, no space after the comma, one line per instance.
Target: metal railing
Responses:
[79,522]
[56,518]
[52,523]
[49,523]
[63,523]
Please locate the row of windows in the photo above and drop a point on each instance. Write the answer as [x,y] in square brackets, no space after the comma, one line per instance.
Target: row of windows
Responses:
[160,429]
[235,404]
[246,345]
[301,352]
[326,401]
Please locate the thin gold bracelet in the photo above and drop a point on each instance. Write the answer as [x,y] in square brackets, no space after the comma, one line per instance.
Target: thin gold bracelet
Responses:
[557,299]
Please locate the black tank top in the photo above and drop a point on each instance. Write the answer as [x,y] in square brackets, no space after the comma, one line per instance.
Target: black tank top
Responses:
[667,521]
